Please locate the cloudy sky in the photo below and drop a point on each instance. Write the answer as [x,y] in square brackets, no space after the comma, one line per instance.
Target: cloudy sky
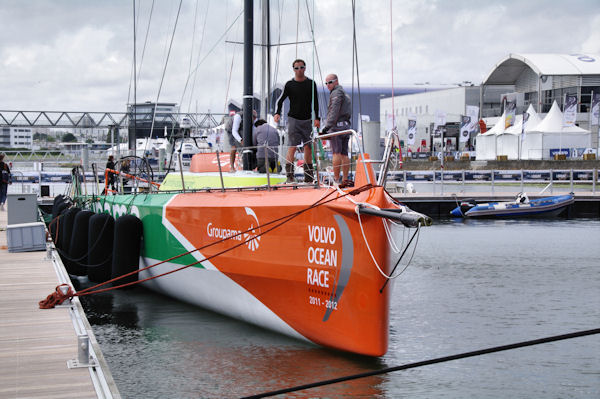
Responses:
[77,55]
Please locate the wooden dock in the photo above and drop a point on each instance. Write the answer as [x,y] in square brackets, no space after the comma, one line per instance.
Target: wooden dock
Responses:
[36,344]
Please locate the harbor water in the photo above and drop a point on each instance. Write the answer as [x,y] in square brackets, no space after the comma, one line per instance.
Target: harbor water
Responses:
[471,285]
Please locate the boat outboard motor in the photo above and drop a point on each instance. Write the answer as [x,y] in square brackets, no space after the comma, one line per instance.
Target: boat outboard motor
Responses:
[463,207]
[466,205]
[522,198]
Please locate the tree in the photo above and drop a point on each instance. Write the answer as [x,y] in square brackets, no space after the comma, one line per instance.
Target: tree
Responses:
[69,138]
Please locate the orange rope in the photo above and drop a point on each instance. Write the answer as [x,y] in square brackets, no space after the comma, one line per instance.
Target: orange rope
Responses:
[282,220]
[57,297]
[116,172]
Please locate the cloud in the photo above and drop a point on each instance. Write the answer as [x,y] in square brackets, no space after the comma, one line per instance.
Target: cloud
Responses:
[73,55]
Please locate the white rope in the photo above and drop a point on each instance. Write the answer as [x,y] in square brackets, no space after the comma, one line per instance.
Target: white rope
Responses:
[388,233]
[390,240]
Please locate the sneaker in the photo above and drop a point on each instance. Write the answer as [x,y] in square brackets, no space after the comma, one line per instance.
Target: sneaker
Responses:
[347,183]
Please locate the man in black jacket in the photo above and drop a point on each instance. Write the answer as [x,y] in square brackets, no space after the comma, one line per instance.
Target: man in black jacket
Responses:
[339,111]
[302,93]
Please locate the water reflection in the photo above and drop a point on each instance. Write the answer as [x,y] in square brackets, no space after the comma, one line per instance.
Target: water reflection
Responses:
[158,347]
[471,285]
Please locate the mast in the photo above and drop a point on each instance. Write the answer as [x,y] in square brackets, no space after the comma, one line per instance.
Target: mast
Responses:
[131,138]
[247,107]
[266,60]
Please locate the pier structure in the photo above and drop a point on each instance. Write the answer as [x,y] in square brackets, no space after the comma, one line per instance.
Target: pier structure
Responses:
[45,352]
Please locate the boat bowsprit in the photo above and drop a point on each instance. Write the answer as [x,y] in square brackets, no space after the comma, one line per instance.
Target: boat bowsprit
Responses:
[522,206]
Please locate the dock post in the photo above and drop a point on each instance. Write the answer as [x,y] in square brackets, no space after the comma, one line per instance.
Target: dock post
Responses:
[571,180]
[522,177]
[64,289]
[492,181]
[83,349]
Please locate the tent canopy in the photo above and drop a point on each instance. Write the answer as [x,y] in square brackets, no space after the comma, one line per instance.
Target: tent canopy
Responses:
[553,123]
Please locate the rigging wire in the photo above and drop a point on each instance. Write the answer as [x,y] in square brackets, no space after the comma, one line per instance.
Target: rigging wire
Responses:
[199,52]
[311,28]
[217,42]
[139,72]
[163,75]
[392,64]
[277,54]
[191,53]
[355,55]
[131,77]
[297,26]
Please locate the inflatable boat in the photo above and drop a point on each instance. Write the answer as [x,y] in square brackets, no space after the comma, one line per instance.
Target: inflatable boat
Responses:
[522,206]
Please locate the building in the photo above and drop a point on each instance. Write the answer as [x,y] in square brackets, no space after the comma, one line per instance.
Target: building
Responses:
[164,115]
[537,79]
[423,107]
[541,79]
[16,137]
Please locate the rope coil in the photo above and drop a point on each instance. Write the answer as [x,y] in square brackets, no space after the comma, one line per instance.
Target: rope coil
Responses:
[57,297]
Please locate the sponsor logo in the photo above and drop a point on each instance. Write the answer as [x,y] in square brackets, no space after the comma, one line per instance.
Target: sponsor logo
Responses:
[250,237]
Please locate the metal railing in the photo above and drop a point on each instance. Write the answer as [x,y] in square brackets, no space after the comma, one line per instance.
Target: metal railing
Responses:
[549,180]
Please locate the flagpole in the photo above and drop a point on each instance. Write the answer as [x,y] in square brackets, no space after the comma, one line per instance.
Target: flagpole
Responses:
[592,123]
[563,124]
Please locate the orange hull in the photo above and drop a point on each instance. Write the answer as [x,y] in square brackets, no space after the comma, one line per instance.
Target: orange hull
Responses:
[314,272]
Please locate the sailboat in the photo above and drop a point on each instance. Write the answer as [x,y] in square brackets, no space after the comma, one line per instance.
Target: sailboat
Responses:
[307,260]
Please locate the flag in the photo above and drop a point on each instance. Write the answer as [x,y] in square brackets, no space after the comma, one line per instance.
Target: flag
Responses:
[465,126]
[473,113]
[510,112]
[440,119]
[525,119]
[570,110]
[412,131]
[595,109]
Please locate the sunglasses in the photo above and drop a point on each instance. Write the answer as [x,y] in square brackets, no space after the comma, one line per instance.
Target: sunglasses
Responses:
[330,81]
[299,67]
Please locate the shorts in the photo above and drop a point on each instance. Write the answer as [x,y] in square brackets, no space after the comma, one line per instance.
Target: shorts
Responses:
[339,144]
[233,142]
[299,131]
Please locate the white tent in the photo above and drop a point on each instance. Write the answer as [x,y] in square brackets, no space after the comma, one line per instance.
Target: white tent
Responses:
[551,134]
[509,142]
[485,143]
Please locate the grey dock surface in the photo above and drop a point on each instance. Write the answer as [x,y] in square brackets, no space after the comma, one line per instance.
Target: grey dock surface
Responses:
[35,344]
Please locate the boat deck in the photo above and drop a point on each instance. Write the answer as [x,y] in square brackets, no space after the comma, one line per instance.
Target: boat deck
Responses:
[36,344]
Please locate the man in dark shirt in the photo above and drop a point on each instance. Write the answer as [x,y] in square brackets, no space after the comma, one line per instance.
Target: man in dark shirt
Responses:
[302,92]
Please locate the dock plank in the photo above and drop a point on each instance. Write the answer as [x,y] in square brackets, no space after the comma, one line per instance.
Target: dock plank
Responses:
[35,344]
